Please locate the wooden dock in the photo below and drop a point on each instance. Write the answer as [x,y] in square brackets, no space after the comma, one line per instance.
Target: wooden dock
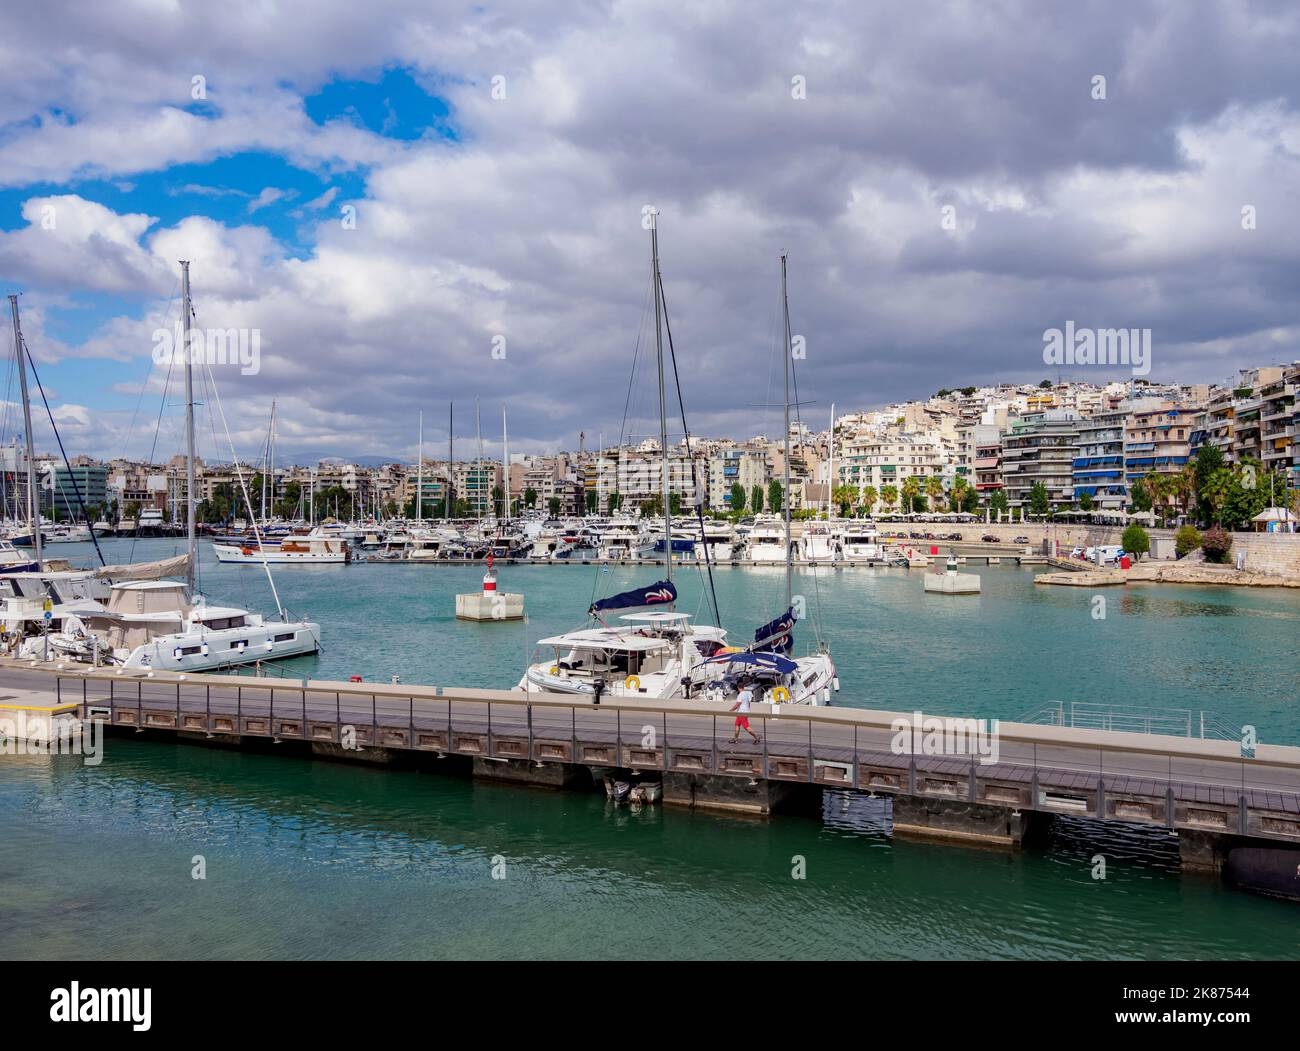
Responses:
[1206,790]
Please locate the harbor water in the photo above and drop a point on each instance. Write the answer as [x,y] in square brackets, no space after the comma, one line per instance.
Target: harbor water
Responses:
[308,860]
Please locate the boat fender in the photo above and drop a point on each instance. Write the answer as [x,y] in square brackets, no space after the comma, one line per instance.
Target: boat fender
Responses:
[780,695]
[632,683]
[354,678]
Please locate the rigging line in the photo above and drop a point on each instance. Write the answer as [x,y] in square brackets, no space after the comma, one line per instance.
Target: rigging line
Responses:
[695,482]
[76,486]
[153,448]
[636,353]
[243,487]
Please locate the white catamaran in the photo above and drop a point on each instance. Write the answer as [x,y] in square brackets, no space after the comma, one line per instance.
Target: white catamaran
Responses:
[155,623]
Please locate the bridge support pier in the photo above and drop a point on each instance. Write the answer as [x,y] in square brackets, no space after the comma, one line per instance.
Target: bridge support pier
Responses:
[1204,852]
[738,794]
[525,772]
[956,821]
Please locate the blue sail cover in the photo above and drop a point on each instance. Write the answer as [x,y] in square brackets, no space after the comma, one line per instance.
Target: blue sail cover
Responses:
[660,594]
[763,661]
[777,636]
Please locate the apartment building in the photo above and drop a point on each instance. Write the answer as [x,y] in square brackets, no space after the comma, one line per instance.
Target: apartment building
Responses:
[1159,440]
[1041,447]
[1099,469]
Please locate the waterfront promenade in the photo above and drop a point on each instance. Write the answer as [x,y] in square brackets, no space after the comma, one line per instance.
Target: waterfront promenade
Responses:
[1206,790]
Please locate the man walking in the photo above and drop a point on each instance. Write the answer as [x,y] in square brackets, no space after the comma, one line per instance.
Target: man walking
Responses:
[741,707]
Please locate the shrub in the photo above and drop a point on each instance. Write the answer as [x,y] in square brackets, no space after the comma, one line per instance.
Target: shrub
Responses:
[1216,543]
[1135,540]
[1186,540]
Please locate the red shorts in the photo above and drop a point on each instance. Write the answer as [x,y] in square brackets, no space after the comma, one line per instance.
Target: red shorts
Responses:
[742,722]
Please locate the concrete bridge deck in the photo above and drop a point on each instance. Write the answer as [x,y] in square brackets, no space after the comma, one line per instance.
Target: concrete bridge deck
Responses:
[1205,789]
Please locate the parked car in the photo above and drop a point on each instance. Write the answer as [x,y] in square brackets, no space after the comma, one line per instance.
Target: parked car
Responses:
[1021,540]
[1077,553]
[1109,553]
[989,538]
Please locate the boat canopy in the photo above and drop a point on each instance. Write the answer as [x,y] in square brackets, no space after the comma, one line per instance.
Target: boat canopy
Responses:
[607,640]
[167,567]
[657,594]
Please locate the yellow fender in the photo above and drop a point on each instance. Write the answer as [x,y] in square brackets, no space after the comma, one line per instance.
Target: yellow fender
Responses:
[555,669]
[632,683]
[780,695]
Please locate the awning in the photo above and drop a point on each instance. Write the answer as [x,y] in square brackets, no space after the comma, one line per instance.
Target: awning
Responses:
[765,661]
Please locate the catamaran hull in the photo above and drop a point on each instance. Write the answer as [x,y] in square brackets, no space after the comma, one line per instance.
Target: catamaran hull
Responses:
[226,648]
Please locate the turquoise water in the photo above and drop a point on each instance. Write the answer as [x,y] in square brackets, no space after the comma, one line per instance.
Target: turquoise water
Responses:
[308,860]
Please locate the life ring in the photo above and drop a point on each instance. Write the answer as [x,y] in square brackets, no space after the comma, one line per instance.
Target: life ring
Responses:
[780,695]
[632,683]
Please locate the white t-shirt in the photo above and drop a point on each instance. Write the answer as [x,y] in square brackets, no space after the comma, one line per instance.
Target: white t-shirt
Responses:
[746,698]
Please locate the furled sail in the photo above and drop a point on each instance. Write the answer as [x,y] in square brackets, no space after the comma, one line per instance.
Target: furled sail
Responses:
[167,567]
[660,594]
[776,636]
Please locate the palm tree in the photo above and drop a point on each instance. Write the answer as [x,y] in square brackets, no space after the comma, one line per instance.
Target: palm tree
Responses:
[934,491]
[889,494]
[960,491]
[868,498]
[911,490]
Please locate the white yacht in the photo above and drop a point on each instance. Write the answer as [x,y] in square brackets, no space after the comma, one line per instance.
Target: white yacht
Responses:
[14,561]
[313,548]
[159,624]
[818,543]
[66,534]
[622,540]
[767,540]
[861,541]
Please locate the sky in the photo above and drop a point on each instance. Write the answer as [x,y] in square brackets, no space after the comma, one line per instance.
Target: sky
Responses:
[418,203]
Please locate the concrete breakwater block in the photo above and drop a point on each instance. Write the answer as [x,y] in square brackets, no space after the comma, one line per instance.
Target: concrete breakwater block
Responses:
[952,583]
[489,605]
[1087,578]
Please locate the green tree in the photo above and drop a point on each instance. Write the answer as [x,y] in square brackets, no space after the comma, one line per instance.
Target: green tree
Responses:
[1186,540]
[498,500]
[737,498]
[868,499]
[911,490]
[1135,540]
[889,495]
[1085,501]
[1209,459]
[999,502]
[675,503]
[593,501]
[530,498]
[1039,500]
[553,506]
[756,499]
[1140,494]
[843,496]
[934,490]
[775,496]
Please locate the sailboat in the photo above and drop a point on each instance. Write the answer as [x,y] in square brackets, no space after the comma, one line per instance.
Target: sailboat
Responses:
[768,660]
[164,624]
[653,653]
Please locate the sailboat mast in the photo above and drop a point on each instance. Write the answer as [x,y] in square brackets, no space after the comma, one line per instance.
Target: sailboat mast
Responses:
[451,459]
[478,466]
[190,507]
[419,474]
[33,511]
[505,464]
[663,409]
[785,357]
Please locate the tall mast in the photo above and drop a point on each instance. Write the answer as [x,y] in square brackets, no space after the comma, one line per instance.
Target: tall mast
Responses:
[785,356]
[451,459]
[271,466]
[663,410]
[190,524]
[830,483]
[419,474]
[478,467]
[505,464]
[33,510]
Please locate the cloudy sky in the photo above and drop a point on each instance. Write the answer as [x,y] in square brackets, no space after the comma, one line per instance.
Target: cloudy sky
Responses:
[388,192]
